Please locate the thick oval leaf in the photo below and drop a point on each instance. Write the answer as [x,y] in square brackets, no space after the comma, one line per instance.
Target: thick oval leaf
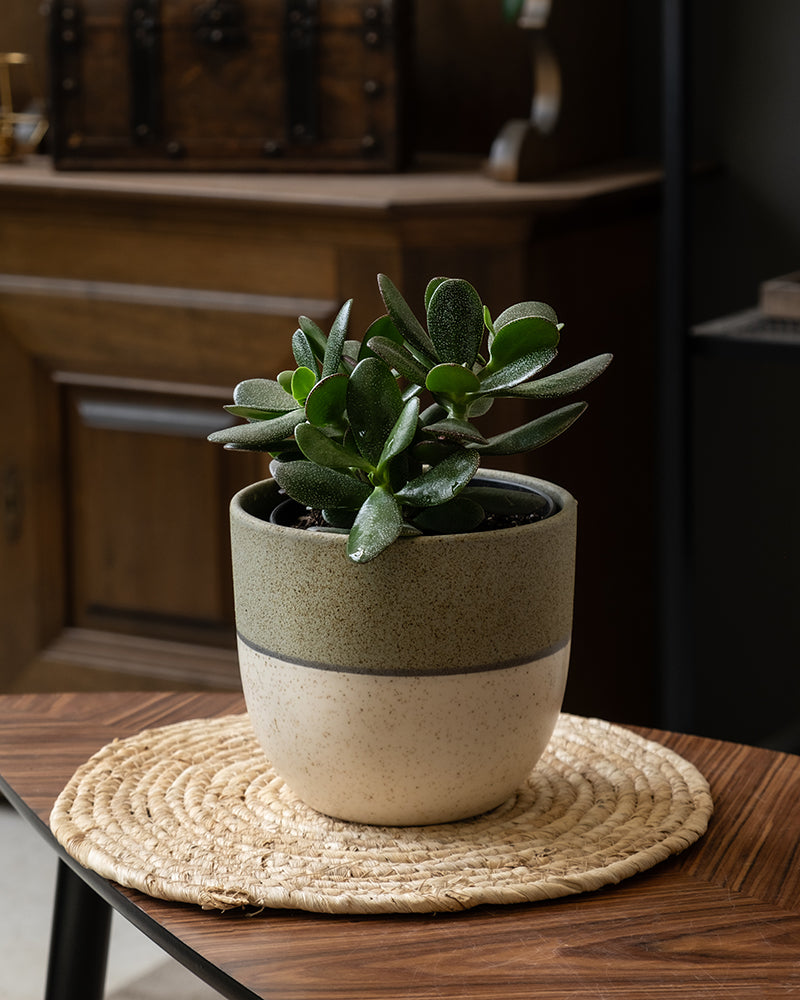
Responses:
[303,352]
[520,338]
[377,524]
[402,434]
[260,435]
[452,380]
[517,371]
[319,487]
[563,383]
[455,430]
[327,401]
[303,381]
[442,482]
[525,309]
[315,335]
[433,284]
[335,344]
[381,327]
[263,394]
[374,404]
[319,448]
[480,406]
[459,515]
[405,320]
[534,434]
[455,321]
[285,380]
[397,356]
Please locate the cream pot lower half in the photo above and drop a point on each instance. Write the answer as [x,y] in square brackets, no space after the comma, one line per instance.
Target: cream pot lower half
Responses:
[419,688]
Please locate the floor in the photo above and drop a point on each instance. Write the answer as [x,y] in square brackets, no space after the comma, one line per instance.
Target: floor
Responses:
[137,969]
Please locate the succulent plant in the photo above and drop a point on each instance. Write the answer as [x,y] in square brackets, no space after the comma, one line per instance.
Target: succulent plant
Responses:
[347,433]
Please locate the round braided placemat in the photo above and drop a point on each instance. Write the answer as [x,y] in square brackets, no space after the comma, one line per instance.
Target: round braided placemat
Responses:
[193,812]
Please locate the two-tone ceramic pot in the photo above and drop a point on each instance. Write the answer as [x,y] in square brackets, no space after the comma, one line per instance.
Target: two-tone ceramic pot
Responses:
[419,688]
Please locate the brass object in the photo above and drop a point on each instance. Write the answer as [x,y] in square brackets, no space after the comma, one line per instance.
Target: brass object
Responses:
[20,131]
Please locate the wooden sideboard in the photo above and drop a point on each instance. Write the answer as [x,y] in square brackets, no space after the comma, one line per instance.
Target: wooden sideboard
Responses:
[130,304]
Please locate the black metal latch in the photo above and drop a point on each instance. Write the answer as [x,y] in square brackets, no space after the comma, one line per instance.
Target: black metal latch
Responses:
[220,23]
[144,57]
[301,30]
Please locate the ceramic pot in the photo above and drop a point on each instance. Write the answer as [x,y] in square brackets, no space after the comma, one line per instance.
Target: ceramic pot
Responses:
[418,688]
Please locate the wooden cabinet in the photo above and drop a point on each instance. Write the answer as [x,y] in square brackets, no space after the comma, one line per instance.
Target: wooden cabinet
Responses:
[131,304]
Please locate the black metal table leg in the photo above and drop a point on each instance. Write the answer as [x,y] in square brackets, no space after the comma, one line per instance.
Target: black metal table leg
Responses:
[78,940]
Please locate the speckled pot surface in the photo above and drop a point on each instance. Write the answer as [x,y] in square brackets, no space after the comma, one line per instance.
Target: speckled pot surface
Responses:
[419,688]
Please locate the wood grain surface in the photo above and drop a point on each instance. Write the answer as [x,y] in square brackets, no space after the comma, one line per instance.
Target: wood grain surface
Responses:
[720,920]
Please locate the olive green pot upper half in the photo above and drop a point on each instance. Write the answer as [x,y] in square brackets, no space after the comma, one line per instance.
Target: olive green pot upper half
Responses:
[430,604]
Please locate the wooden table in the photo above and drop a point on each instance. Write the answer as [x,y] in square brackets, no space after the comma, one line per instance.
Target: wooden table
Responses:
[721,920]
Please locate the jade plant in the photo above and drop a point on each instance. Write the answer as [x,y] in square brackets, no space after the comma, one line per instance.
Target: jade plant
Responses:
[348,434]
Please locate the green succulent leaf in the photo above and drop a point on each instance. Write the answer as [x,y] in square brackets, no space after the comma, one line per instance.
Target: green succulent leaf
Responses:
[284,380]
[478,407]
[303,381]
[327,401]
[259,436]
[335,343]
[432,413]
[405,320]
[441,482]
[433,284]
[455,430]
[523,310]
[451,379]
[402,434]
[318,447]
[521,338]
[303,351]
[487,321]
[317,340]
[454,517]
[534,434]
[263,394]
[377,524]
[455,321]
[319,487]
[374,405]
[400,358]
[563,383]
[516,371]
[339,517]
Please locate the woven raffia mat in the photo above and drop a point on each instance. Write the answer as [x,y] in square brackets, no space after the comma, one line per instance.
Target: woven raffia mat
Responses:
[192,812]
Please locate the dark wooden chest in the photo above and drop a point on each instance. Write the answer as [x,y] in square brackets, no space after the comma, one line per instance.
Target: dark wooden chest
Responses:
[255,85]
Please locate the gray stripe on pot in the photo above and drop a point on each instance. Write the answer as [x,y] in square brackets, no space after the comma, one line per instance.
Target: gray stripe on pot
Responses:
[384,672]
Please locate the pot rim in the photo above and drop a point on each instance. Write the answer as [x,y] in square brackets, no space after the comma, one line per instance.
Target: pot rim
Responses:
[565,504]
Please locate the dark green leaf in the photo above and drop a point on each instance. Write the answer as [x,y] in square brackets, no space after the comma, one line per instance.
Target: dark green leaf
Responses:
[402,434]
[397,356]
[516,371]
[336,339]
[338,517]
[534,434]
[454,517]
[374,404]
[319,487]
[327,401]
[303,352]
[455,321]
[433,284]
[316,337]
[455,430]
[525,309]
[563,383]
[263,394]
[405,320]
[285,380]
[377,524]
[319,448]
[442,482]
[518,339]
[452,380]
[260,435]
